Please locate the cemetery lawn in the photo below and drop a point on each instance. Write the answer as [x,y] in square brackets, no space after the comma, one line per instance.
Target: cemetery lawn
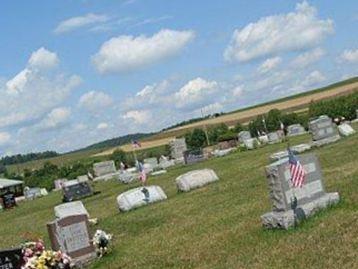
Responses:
[217,226]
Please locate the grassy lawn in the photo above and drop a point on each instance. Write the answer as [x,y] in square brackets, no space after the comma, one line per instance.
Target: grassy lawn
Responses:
[217,226]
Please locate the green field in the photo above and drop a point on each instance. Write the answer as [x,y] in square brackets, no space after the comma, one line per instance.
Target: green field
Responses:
[217,226]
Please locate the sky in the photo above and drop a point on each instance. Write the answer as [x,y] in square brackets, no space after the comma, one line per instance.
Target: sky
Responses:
[76,72]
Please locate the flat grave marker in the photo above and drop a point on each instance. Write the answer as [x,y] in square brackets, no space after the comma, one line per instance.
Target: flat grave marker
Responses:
[195,179]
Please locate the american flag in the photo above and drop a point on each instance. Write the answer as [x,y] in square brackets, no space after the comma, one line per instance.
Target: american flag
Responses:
[136,144]
[297,171]
[142,174]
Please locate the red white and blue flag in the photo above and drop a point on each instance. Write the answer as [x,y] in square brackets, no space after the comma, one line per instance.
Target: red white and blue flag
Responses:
[142,174]
[298,173]
[136,144]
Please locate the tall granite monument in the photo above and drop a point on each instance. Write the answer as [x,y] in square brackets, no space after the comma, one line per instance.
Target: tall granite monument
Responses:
[323,131]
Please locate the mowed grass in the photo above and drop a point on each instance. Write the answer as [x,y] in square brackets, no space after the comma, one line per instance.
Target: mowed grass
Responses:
[217,226]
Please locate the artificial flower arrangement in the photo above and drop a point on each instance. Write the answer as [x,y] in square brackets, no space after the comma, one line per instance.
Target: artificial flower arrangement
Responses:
[37,257]
[101,241]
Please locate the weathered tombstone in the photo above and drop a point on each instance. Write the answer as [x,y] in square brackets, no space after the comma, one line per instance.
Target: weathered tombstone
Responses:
[311,197]
[177,148]
[243,135]
[263,139]
[195,179]
[8,200]
[345,129]
[11,258]
[224,152]
[105,170]
[274,137]
[43,192]
[152,161]
[323,131]
[296,149]
[251,143]
[164,163]
[32,193]
[139,197]
[59,183]
[295,129]
[74,190]
[70,209]
[193,156]
[82,178]
[127,177]
[72,236]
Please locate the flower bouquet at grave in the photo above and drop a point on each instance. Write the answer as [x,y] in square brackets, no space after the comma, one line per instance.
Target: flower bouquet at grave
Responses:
[37,257]
[101,241]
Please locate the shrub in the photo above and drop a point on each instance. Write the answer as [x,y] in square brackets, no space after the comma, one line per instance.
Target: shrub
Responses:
[195,139]
[215,132]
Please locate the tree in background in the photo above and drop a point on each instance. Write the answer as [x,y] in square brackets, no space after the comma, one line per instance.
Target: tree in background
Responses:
[119,156]
[215,132]
[273,120]
[195,139]
[238,128]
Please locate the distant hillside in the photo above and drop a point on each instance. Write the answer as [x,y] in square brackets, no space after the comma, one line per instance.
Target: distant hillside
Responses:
[117,141]
[22,158]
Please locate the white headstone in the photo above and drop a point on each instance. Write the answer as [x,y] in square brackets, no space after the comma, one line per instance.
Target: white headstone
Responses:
[295,129]
[251,143]
[263,139]
[104,168]
[177,148]
[82,178]
[70,209]
[195,179]
[139,197]
[345,129]
[243,135]
[223,152]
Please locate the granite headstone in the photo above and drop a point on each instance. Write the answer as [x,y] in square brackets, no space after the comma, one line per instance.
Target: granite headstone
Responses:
[11,258]
[195,179]
[345,129]
[193,156]
[243,135]
[177,148]
[323,131]
[295,129]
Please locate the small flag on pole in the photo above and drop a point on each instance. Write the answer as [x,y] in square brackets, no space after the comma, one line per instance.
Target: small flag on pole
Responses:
[142,174]
[136,144]
[297,171]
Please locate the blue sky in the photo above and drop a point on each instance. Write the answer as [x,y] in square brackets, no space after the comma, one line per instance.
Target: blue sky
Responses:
[76,72]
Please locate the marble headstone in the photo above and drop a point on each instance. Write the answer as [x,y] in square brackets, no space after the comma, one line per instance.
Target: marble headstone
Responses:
[164,163]
[310,198]
[243,135]
[274,137]
[152,162]
[263,139]
[177,148]
[251,143]
[139,197]
[32,193]
[323,131]
[222,152]
[104,168]
[295,129]
[70,209]
[345,129]
[195,179]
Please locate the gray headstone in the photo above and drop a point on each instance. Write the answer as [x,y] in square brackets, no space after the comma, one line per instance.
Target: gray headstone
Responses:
[195,179]
[177,148]
[222,152]
[104,168]
[322,128]
[274,137]
[165,163]
[251,143]
[151,162]
[70,209]
[295,129]
[263,139]
[284,153]
[127,177]
[243,135]
[32,193]
[139,197]
[345,129]
[193,156]
[282,193]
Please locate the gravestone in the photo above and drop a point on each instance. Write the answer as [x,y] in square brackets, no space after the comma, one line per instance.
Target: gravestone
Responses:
[74,190]
[195,179]
[224,152]
[82,178]
[243,135]
[104,168]
[139,197]
[295,129]
[263,139]
[8,200]
[164,163]
[159,172]
[32,193]
[11,258]
[284,153]
[151,162]
[177,148]
[193,156]
[59,183]
[345,129]
[251,143]
[127,177]
[274,137]
[311,197]
[323,131]
[70,209]
[72,236]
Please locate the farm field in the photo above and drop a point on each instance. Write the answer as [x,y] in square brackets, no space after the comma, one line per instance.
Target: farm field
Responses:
[217,226]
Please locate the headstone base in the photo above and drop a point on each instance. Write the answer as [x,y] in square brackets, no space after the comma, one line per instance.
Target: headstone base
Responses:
[287,219]
[115,175]
[325,141]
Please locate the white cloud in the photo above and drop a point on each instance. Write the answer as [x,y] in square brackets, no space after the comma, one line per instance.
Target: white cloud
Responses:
[237,91]
[313,79]
[293,31]
[102,126]
[57,118]
[79,22]
[126,53]
[308,58]
[269,64]
[43,59]
[31,94]
[4,138]
[138,116]
[350,56]
[195,91]
[94,101]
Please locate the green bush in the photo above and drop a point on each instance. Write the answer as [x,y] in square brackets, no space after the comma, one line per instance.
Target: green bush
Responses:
[195,139]
[239,127]
[229,135]
[215,132]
